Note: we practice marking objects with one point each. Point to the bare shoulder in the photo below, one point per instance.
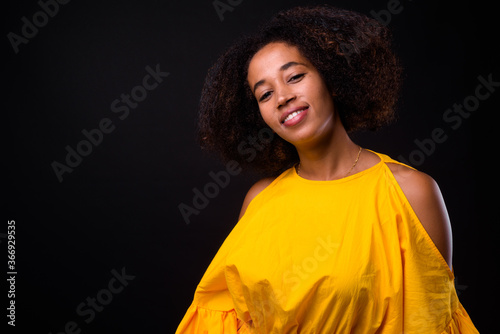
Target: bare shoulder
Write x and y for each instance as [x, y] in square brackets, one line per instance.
[254, 191]
[412, 181]
[425, 198]
[419, 188]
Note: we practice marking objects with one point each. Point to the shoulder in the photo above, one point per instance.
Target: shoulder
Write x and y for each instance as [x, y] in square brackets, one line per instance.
[427, 202]
[413, 182]
[418, 187]
[254, 191]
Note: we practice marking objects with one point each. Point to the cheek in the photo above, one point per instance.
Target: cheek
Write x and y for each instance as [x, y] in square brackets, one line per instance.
[325, 100]
[267, 115]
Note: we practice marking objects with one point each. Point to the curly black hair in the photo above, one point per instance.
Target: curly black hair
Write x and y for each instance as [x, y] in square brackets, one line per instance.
[351, 51]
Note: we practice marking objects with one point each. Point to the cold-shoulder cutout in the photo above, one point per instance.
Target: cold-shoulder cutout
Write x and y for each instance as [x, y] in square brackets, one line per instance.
[254, 191]
[425, 198]
[333, 256]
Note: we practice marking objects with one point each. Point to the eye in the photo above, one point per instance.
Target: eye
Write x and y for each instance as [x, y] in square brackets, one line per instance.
[297, 77]
[265, 96]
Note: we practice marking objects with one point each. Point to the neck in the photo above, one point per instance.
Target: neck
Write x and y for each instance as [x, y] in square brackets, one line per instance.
[328, 158]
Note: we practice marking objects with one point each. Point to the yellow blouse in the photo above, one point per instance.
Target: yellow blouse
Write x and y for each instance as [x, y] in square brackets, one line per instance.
[340, 256]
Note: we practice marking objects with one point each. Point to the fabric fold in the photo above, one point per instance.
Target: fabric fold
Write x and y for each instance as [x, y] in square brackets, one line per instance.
[460, 323]
[198, 320]
[339, 256]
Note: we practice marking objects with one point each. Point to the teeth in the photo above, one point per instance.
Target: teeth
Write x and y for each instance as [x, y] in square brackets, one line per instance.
[292, 115]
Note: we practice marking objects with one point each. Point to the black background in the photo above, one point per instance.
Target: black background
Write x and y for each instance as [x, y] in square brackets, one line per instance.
[119, 207]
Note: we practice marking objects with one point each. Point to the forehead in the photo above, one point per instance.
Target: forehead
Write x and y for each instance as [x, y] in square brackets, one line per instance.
[271, 57]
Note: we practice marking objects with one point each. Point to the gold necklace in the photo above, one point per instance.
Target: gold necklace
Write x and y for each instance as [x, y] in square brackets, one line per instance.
[350, 170]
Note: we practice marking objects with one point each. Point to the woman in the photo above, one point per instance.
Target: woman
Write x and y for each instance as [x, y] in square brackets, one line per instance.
[344, 239]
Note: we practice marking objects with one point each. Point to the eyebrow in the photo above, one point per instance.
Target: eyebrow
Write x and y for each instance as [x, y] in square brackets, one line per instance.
[283, 67]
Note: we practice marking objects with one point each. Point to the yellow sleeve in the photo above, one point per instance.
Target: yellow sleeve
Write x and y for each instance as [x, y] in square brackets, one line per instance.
[461, 323]
[199, 320]
[212, 310]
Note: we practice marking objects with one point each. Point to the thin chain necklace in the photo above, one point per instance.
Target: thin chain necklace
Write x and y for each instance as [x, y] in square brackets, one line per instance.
[350, 170]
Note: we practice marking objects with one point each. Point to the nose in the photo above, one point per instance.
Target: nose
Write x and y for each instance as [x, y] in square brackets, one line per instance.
[284, 97]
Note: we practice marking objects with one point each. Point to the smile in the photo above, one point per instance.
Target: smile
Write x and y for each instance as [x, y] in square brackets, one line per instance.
[294, 117]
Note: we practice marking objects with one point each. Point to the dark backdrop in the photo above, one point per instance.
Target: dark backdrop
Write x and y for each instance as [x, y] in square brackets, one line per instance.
[106, 249]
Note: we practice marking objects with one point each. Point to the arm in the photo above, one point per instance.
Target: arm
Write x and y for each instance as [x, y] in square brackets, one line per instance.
[254, 191]
[425, 198]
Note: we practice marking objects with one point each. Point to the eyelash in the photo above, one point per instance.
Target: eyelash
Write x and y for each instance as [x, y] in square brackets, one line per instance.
[294, 78]
[264, 96]
[297, 77]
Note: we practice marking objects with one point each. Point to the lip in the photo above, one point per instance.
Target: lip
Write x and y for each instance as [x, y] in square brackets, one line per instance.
[296, 119]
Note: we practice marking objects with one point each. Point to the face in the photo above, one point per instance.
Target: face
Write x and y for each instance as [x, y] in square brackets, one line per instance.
[293, 98]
